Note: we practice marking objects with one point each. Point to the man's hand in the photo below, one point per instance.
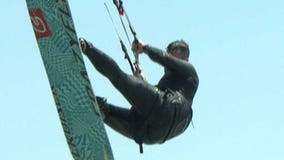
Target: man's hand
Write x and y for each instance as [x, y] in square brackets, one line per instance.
[137, 46]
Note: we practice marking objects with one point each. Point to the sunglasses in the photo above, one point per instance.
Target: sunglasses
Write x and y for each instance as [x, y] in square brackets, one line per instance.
[181, 48]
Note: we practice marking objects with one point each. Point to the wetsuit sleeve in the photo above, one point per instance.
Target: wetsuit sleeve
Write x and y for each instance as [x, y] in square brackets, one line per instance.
[172, 63]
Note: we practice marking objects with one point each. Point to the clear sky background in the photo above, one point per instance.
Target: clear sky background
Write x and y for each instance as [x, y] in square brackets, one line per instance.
[237, 48]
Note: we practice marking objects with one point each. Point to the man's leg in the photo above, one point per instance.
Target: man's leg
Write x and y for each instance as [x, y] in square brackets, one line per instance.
[119, 119]
[139, 93]
[125, 121]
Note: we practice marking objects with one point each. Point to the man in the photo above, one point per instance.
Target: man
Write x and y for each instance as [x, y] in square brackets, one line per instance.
[158, 113]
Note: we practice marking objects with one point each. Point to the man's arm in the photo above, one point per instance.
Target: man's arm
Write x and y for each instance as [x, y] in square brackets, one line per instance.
[170, 62]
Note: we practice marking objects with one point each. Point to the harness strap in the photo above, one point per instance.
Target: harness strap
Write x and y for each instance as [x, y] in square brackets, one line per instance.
[139, 136]
[141, 147]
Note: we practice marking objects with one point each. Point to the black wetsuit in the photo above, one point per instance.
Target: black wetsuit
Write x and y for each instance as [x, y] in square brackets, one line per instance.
[159, 112]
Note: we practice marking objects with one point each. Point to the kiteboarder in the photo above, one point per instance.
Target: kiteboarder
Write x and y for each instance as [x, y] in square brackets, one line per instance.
[159, 112]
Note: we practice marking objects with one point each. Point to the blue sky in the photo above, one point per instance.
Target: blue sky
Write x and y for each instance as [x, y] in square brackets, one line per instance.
[236, 47]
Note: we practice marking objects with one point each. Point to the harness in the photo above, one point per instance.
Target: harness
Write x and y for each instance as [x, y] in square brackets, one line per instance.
[140, 124]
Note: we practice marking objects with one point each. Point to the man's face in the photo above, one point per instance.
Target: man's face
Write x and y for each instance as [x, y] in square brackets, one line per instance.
[179, 52]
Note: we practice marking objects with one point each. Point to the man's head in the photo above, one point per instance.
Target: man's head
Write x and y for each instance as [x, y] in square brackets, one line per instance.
[179, 49]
